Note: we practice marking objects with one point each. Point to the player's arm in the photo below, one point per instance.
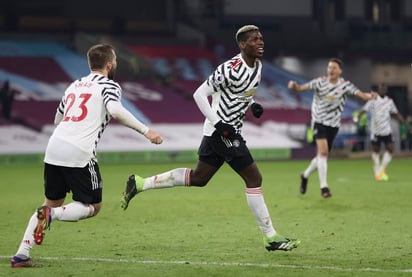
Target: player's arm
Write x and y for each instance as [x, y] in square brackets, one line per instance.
[399, 116]
[201, 98]
[293, 85]
[366, 96]
[121, 114]
[59, 112]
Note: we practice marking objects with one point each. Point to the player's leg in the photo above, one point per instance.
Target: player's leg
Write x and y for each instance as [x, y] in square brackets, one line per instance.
[254, 197]
[198, 177]
[206, 167]
[22, 256]
[376, 157]
[387, 156]
[240, 159]
[86, 187]
[322, 163]
[304, 176]
[38, 220]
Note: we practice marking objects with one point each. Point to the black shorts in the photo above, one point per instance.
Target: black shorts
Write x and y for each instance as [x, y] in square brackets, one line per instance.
[85, 183]
[321, 131]
[215, 150]
[378, 140]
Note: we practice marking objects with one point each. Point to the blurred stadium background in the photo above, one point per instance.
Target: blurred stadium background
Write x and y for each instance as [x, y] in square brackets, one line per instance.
[167, 48]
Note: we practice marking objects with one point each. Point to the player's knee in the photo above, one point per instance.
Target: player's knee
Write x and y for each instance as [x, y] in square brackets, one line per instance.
[95, 209]
[198, 181]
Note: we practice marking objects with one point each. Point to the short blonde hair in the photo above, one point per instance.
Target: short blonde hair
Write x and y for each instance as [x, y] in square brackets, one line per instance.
[243, 30]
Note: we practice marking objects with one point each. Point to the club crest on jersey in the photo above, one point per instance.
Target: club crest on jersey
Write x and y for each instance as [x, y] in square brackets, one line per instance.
[236, 143]
[250, 92]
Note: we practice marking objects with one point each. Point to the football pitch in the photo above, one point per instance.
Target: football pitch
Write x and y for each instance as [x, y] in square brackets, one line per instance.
[365, 229]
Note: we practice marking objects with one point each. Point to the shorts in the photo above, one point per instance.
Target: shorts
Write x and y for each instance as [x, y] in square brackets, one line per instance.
[329, 133]
[378, 140]
[85, 183]
[215, 150]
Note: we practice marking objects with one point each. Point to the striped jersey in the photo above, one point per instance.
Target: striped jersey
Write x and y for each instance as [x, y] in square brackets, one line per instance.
[234, 83]
[329, 100]
[380, 110]
[83, 106]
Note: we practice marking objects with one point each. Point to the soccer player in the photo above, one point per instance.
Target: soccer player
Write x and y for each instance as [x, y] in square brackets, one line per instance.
[70, 160]
[231, 86]
[381, 110]
[330, 93]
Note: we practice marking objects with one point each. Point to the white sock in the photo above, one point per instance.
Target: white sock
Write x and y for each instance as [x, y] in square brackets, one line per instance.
[386, 159]
[322, 170]
[311, 168]
[28, 240]
[73, 211]
[175, 177]
[257, 204]
[376, 163]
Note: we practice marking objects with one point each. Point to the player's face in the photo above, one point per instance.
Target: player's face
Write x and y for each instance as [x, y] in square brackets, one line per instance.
[334, 71]
[254, 45]
[382, 90]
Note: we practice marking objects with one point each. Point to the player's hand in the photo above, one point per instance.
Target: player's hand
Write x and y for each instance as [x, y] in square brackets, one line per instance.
[154, 137]
[374, 95]
[257, 110]
[292, 85]
[224, 129]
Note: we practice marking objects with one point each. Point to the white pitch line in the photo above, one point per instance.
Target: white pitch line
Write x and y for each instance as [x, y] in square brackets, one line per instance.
[225, 264]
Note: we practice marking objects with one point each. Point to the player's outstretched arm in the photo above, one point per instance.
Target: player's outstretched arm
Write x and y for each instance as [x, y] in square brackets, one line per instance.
[367, 96]
[296, 87]
[154, 137]
[122, 115]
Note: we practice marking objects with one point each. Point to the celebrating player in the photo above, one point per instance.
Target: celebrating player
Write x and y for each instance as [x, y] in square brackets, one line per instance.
[70, 162]
[231, 86]
[329, 99]
[381, 110]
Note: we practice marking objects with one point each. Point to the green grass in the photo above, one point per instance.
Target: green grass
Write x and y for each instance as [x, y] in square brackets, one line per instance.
[363, 230]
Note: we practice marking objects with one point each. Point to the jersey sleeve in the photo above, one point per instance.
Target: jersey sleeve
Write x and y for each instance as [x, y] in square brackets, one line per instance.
[314, 83]
[393, 109]
[111, 92]
[218, 80]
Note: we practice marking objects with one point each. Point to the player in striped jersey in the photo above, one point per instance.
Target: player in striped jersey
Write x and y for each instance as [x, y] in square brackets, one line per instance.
[231, 86]
[381, 110]
[70, 162]
[330, 93]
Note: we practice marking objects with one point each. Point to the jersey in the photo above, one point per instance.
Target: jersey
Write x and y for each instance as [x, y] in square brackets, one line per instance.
[234, 83]
[83, 106]
[380, 110]
[329, 100]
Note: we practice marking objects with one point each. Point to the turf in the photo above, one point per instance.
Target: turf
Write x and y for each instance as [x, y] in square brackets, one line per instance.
[363, 230]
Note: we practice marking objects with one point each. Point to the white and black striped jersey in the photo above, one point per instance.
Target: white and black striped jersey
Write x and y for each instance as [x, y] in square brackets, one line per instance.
[234, 83]
[84, 118]
[329, 100]
[380, 110]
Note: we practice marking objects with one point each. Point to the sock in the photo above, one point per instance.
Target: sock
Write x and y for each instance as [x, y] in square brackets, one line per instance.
[28, 240]
[322, 170]
[175, 177]
[257, 204]
[376, 163]
[312, 167]
[72, 212]
[386, 159]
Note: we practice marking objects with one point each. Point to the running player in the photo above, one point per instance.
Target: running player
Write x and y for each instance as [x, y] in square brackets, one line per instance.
[329, 99]
[231, 86]
[381, 110]
[70, 162]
